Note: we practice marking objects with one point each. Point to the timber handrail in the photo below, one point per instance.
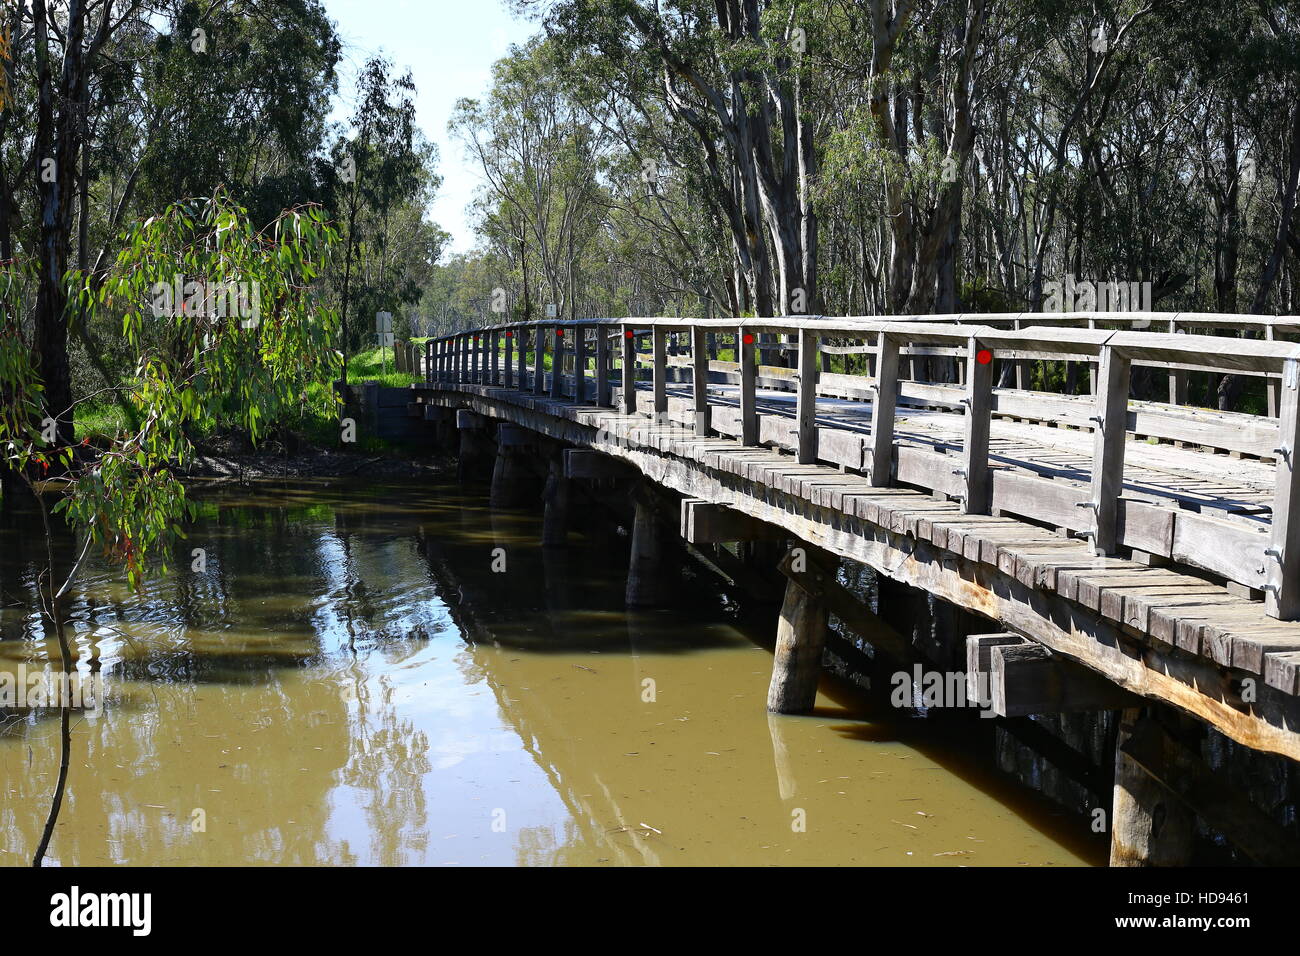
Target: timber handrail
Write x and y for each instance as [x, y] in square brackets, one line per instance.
[1262, 557]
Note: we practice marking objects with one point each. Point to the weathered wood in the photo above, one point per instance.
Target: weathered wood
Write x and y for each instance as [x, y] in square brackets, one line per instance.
[700, 379]
[629, 370]
[648, 582]
[800, 638]
[748, 375]
[602, 366]
[1221, 803]
[586, 464]
[979, 664]
[807, 411]
[508, 367]
[539, 360]
[1283, 587]
[1149, 827]
[882, 411]
[1026, 678]
[1108, 447]
[659, 371]
[975, 494]
[558, 348]
[704, 522]
[522, 332]
[580, 363]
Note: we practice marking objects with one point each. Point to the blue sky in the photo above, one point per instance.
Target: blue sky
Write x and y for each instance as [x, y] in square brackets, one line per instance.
[449, 46]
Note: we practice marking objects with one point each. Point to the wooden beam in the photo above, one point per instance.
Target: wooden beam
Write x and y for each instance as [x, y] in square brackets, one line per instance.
[979, 664]
[1283, 560]
[807, 407]
[801, 637]
[467, 419]
[748, 381]
[883, 407]
[602, 366]
[629, 370]
[975, 444]
[509, 366]
[539, 360]
[1220, 802]
[704, 522]
[557, 361]
[1108, 447]
[1024, 677]
[580, 364]
[659, 372]
[700, 379]
[1148, 826]
[588, 464]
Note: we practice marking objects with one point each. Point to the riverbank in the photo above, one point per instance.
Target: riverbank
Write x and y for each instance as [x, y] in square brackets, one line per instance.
[228, 459]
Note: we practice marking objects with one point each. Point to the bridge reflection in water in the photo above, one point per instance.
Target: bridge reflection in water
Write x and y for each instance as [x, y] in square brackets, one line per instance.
[352, 682]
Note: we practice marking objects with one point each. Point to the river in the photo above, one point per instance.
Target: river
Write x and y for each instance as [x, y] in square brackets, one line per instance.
[353, 678]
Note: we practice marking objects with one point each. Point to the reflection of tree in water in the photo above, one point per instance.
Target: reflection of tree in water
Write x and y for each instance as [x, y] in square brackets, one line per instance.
[211, 706]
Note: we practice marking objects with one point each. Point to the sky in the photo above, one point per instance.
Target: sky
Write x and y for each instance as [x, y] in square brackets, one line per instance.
[449, 46]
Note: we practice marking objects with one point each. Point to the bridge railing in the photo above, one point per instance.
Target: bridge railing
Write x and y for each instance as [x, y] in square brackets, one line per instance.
[601, 361]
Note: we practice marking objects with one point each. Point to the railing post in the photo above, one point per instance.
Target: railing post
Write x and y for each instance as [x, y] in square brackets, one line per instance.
[539, 360]
[557, 363]
[429, 346]
[883, 407]
[1177, 379]
[462, 342]
[522, 333]
[1092, 369]
[1111, 421]
[1282, 592]
[495, 339]
[700, 379]
[629, 370]
[580, 363]
[979, 415]
[602, 365]
[658, 339]
[509, 366]
[1272, 386]
[807, 402]
[748, 386]
[476, 360]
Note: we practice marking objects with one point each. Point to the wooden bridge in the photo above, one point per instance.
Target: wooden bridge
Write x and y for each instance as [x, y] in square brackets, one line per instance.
[1137, 555]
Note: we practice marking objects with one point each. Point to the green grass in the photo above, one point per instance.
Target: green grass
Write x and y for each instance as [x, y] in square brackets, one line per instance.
[369, 367]
[98, 420]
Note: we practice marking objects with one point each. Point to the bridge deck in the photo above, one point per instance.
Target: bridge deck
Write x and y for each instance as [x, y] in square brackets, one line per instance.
[1169, 633]
[1196, 479]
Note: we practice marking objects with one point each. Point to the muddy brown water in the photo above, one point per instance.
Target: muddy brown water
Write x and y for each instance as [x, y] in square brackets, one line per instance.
[353, 680]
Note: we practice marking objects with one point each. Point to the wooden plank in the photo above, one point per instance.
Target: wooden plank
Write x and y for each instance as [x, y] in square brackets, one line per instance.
[1108, 447]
